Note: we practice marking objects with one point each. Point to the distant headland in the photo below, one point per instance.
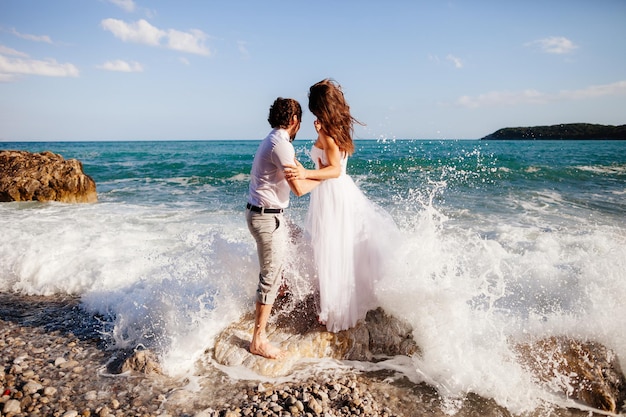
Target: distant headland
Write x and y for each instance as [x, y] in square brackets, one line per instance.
[571, 131]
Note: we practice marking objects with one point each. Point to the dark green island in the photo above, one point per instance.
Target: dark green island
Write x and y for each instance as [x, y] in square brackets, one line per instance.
[571, 131]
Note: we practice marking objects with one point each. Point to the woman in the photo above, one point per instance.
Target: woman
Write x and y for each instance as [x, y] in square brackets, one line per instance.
[351, 236]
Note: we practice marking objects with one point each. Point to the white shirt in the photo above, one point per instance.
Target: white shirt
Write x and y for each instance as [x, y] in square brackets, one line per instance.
[268, 186]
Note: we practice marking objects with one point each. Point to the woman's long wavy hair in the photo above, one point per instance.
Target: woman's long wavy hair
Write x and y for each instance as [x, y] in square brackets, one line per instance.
[327, 103]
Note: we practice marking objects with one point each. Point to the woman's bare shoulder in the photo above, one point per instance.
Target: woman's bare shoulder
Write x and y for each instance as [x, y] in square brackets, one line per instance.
[326, 142]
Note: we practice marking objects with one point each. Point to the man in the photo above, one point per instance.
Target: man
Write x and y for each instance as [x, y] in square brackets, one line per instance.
[268, 198]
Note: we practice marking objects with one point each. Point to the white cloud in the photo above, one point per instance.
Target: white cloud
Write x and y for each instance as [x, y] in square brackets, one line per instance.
[138, 32]
[127, 5]
[509, 98]
[35, 38]
[555, 45]
[121, 66]
[5, 78]
[143, 32]
[614, 89]
[500, 98]
[10, 51]
[243, 49]
[191, 42]
[48, 68]
[456, 61]
[184, 60]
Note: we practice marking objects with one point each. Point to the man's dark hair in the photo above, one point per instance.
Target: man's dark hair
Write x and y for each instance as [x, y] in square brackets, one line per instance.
[282, 111]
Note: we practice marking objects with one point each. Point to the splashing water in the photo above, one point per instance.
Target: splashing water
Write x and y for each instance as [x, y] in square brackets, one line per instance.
[501, 244]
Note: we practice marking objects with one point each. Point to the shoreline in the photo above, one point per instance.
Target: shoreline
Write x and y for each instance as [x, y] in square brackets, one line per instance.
[48, 370]
[52, 373]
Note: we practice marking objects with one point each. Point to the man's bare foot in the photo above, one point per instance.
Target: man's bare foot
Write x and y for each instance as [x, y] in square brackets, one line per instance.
[267, 350]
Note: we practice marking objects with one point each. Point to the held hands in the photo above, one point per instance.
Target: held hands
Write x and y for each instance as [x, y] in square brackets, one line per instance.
[298, 172]
[295, 172]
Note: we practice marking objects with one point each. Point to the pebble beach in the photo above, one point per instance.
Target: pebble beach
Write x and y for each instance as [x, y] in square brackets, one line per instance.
[49, 370]
[55, 374]
[52, 366]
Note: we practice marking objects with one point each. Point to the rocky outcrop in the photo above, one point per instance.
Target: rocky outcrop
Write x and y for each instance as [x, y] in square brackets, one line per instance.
[45, 176]
[571, 131]
[586, 371]
[302, 337]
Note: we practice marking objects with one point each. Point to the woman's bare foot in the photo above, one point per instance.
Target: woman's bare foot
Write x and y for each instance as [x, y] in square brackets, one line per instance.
[266, 349]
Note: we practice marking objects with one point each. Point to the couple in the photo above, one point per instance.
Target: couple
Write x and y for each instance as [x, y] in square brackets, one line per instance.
[341, 221]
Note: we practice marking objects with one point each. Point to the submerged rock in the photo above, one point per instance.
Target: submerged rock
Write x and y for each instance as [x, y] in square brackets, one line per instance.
[45, 176]
[586, 371]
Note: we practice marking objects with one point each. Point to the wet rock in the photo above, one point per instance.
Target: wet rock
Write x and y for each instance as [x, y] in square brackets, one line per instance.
[91, 395]
[12, 407]
[104, 412]
[389, 336]
[315, 406]
[45, 176]
[142, 361]
[378, 334]
[31, 387]
[68, 364]
[586, 371]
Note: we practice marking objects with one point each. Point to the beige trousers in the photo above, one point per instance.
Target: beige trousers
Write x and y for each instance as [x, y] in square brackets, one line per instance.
[270, 234]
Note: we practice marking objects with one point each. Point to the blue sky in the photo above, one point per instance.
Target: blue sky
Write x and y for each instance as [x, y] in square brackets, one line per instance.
[191, 69]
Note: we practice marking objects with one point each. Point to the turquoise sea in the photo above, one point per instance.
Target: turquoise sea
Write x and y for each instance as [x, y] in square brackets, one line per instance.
[504, 241]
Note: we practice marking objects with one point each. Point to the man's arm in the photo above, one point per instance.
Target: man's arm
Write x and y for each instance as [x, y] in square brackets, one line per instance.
[284, 155]
[302, 187]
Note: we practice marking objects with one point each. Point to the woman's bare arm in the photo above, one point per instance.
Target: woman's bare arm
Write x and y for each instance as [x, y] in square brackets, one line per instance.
[332, 170]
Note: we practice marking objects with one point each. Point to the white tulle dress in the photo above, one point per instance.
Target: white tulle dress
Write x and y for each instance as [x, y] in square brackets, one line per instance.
[352, 240]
